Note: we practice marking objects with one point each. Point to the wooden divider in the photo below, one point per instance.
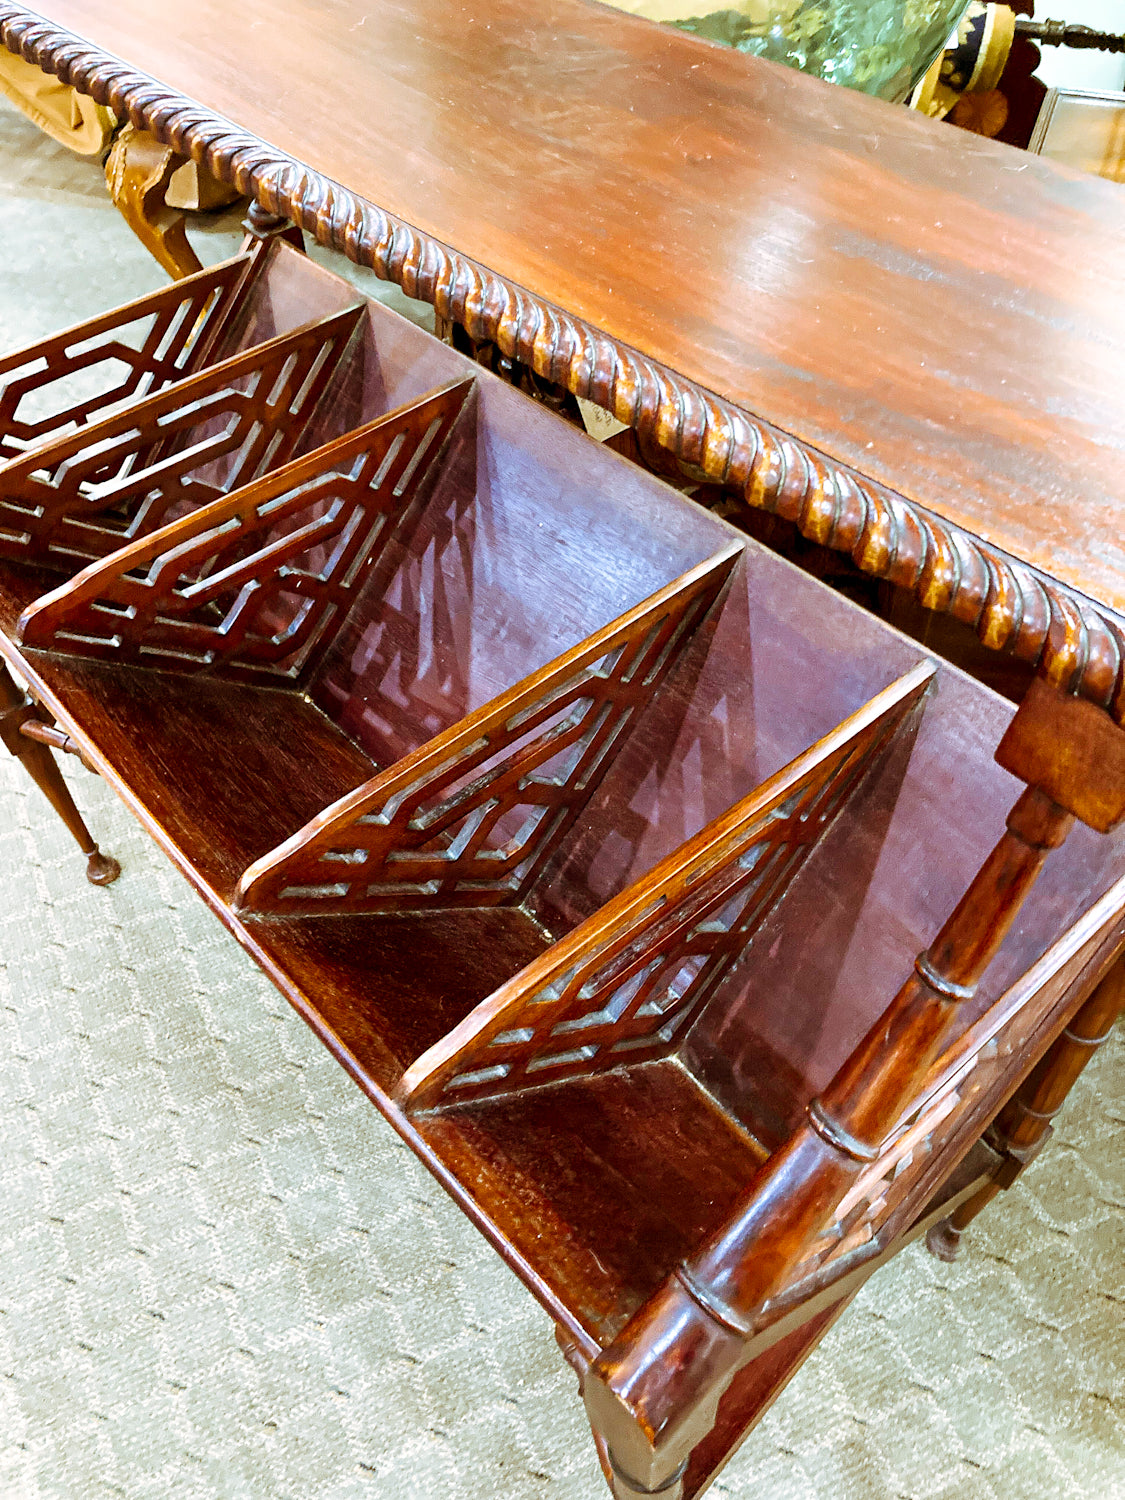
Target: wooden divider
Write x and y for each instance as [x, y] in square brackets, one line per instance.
[186, 322]
[84, 495]
[206, 548]
[417, 836]
[250, 585]
[623, 985]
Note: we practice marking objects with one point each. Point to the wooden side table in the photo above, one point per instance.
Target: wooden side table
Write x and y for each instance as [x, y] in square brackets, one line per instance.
[797, 301]
[779, 282]
[406, 675]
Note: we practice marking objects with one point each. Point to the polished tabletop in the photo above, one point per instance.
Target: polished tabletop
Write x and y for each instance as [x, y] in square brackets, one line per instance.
[943, 313]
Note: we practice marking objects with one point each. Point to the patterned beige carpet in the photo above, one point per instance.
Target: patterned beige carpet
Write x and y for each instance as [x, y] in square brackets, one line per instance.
[223, 1278]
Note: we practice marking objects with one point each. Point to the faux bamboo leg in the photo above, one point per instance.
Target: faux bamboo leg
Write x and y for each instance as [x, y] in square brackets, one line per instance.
[101, 869]
[1021, 1128]
[137, 172]
[654, 1394]
[651, 1407]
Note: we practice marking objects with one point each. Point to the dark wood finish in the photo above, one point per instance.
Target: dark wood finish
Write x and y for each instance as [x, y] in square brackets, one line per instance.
[653, 1394]
[471, 817]
[785, 1348]
[261, 225]
[250, 585]
[1023, 1126]
[692, 1231]
[156, 339]
[879, 394]
[81, 496]
[624, 985]
[1065, 34]
[1071, 750]
[58, 739]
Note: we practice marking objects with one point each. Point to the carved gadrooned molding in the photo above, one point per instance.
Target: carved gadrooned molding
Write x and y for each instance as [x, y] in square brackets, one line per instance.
[1076, 644]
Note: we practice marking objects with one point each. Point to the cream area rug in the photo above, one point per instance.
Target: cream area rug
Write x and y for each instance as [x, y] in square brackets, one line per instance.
[223, 1278]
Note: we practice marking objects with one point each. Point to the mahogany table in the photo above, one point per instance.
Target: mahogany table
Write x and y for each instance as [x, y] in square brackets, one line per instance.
[906, 340]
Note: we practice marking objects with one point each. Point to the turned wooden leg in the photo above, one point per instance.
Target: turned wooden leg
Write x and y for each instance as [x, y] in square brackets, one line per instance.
[656, 1391]
[138, 171]
[1021, 1128]
[15, 710]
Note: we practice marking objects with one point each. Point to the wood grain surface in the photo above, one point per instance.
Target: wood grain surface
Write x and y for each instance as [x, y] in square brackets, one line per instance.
[939, 311]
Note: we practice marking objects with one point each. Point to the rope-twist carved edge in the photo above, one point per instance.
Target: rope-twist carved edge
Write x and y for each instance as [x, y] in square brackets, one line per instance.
[1076, 645]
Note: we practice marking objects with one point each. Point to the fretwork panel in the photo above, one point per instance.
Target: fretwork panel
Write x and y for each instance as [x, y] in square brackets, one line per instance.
[64, 382]
[883, 1186]
[471, 817]
[83, 496]
[624, 986]
[254, 583]
[894, 1188]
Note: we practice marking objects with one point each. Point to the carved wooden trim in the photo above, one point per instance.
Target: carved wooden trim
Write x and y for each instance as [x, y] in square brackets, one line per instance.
[1078, 645]
[251, 585]
[623, 986]
[84, 495]
[952, 1108]
[471, 817]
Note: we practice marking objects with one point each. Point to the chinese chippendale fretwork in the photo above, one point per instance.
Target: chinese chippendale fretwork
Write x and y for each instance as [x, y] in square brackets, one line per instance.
[624, 985]
[882, 1187]
[253, 583]
[471, 817]
[85, 495]
[64, 382]
[957, 1104]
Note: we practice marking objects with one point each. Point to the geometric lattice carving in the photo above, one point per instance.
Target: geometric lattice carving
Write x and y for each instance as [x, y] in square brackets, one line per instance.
[470, 818]
[84, 495]
[251, 584]
[64, 382]
[882, 1187]
[624, 986]
[956, 1103]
